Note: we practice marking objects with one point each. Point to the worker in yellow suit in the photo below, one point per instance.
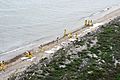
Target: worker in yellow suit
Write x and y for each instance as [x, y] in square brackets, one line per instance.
[86, 23]
[29, 54]
[90, 23]
[70, 35]
[76, 36]
[2, 66]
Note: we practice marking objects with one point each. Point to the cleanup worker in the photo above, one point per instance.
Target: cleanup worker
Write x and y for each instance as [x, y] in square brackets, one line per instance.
[86, 23]
[2, 66]
[65, 32]
[76, 36]
[70, 35]
[90, 23]
[29, 54]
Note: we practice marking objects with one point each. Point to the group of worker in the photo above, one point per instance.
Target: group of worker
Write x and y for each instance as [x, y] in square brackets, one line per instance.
[29, 55]
[88, 23]
[70, 35]
[2, 66]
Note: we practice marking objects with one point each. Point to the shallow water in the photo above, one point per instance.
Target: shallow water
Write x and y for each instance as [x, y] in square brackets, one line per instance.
[25, 21]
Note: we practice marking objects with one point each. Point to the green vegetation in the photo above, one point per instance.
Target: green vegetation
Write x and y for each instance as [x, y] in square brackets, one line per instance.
[97, 62]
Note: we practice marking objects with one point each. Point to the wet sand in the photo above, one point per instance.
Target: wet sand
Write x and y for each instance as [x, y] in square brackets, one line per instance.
[16, 65]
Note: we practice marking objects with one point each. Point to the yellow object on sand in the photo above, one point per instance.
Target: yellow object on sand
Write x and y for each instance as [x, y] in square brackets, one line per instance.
[2, 66]
[86, 23]
[76, 36]
[90, 23]
[70, 35]
[29, 55]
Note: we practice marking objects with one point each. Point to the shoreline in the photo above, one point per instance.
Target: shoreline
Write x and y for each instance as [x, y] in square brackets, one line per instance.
[47, 46]
[71, 62]
[35, 44]
[6, 56]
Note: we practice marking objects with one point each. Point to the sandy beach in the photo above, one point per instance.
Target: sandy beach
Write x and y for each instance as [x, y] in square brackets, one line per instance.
[16, 65]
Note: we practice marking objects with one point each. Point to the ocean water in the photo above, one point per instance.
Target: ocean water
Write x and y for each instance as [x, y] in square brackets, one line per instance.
[23, 22]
